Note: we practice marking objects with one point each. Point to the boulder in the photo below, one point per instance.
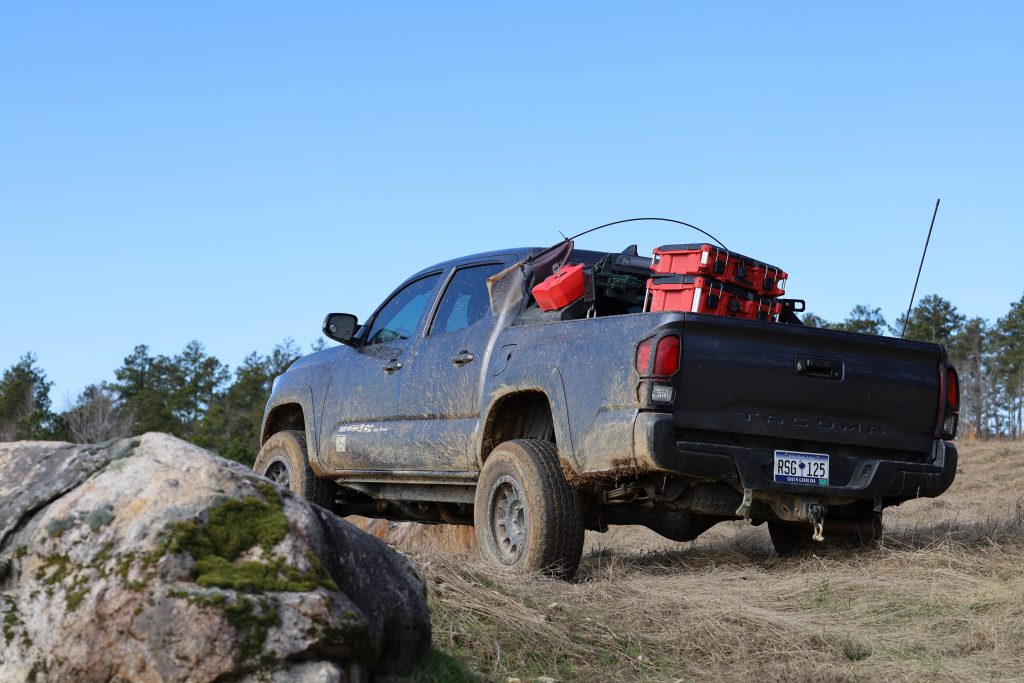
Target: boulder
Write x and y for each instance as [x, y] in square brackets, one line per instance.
[151, 559]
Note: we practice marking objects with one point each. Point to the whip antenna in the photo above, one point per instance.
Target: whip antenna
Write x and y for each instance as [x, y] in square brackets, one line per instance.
[906, 318]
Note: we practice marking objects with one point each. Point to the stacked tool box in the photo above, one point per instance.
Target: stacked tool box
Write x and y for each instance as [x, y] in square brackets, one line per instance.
[703, 278]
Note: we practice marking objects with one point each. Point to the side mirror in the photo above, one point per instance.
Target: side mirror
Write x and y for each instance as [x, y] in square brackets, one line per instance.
[340, 327]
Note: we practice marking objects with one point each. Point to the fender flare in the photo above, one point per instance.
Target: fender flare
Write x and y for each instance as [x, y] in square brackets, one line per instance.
[301, 395]
[546, 380]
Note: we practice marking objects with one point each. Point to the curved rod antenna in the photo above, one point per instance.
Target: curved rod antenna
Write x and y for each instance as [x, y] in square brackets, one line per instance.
[653, 218]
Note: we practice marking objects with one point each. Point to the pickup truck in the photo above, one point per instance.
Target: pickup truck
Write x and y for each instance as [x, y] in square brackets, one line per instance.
[460, 401]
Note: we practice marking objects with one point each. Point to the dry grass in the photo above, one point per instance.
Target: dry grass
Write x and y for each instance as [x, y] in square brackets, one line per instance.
[941, 597]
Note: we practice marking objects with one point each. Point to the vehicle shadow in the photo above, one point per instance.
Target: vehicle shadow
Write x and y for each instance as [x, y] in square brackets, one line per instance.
[955, 534]
[750, 549]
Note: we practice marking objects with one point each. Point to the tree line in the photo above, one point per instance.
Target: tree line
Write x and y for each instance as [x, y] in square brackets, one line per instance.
[195, 396]
[192, 395]
[989, 357]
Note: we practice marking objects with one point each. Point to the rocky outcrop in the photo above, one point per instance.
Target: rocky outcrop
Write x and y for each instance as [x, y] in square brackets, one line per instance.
[150, 559]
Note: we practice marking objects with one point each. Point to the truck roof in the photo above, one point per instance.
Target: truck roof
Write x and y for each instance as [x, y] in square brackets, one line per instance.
[579, 255]
[520, 253]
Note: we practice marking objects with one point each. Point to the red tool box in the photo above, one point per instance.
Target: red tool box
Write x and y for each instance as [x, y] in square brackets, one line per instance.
[754, 307]
[729, 267]
[561, 289]
[696, 294]
[688, 293]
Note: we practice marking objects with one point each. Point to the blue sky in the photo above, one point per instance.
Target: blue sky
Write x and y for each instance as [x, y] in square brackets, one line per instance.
[230, 172]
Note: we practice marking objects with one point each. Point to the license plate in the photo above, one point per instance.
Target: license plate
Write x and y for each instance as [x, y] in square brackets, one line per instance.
[794, 467]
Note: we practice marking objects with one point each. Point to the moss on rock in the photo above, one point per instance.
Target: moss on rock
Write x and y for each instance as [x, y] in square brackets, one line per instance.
[61, 565]
[124, 565]
[253, 623]
[74, 598]
[233, 528]
[100, 517]
[11, 620]
[57, 527]
[251, 576]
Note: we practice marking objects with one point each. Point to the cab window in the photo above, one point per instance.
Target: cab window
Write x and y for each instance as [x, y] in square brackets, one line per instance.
[400, 316]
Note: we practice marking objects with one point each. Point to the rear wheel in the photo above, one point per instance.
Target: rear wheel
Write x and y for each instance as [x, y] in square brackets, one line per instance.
[284, 460]
[869, 530]
[790, 539]
[527, 516]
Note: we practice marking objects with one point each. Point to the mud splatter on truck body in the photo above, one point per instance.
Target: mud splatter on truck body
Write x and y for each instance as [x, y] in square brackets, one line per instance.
[405, 413]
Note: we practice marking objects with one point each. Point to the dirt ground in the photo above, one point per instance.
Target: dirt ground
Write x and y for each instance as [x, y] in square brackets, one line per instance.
[940, 597]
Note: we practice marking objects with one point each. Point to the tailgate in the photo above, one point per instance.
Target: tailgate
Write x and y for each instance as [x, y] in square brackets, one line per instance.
[794, 382]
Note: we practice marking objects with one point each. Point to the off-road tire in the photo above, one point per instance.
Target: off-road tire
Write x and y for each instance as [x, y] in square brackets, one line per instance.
[527, 473]
[791, 539]
[288, 449]
[871, 526]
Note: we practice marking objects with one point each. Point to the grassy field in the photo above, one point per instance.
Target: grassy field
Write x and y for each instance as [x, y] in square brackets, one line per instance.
[941, 597]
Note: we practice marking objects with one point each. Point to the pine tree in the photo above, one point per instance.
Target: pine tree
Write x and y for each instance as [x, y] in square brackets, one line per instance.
[145, 385]
[863, 320]
[232, 426]
[25, 403]
[812, 320]
[197, 380]
[970, 354]
[1009, 358]
[933, 320]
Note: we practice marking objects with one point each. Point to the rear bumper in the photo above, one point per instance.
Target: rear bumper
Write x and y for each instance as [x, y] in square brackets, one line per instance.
[856, 473]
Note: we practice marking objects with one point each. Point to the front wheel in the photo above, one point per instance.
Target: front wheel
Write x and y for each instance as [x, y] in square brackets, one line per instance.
[284, 460]
[527, 516]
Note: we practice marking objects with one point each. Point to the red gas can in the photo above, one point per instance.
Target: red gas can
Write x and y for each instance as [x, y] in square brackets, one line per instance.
[561, 289]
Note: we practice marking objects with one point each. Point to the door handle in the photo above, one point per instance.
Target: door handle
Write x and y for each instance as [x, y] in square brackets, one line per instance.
[462, 358]
[392, 365]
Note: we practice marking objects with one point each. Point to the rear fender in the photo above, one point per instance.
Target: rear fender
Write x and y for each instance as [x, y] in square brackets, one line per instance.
[545, 380]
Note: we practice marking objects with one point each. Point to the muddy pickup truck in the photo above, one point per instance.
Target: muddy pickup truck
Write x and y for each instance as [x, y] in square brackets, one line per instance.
[460, 401]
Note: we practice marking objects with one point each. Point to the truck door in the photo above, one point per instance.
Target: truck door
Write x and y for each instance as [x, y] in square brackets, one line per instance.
[440, 401]
[362, 401]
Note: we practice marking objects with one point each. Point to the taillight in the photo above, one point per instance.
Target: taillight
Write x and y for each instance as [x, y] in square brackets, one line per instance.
[949, 408]
[666, 356]
[952, 390]
[643, 356]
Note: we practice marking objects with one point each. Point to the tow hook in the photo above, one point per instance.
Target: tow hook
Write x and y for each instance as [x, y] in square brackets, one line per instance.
[744, 509]
[816, 513]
